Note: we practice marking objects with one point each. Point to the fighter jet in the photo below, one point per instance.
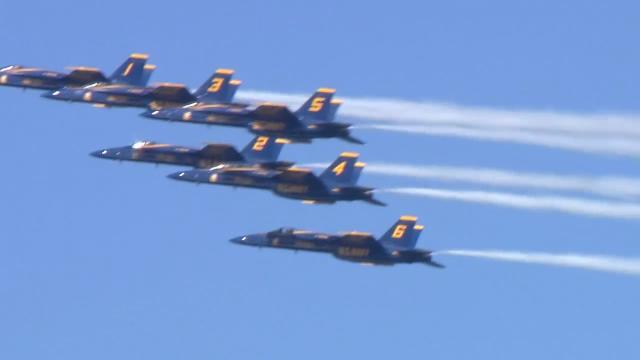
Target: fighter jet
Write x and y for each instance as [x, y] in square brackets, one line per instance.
[396, 246]
[219, 88]
[314, 119]
[262, 151]
[131, 72]
[336, 183]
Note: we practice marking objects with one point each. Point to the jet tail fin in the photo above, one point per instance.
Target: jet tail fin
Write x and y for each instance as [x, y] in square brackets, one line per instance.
[342, 171]
[234, 85]
[218, 88]
[403, 234]
[263, 149]
[318, 107]
[131, 72]
[334, 107]
[147, 71]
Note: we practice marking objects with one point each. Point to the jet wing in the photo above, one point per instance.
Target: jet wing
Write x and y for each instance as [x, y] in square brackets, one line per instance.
[85, 76]
[222, 152]
[272, 113]
[300, 176]
[244, 175]
[358, 237]
[177, 93]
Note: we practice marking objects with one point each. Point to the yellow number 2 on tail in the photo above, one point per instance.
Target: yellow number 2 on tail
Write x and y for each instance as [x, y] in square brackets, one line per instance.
[261, 142]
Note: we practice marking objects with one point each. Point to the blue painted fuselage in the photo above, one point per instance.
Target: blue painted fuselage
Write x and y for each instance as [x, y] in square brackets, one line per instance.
[32, 78]
[354, 247]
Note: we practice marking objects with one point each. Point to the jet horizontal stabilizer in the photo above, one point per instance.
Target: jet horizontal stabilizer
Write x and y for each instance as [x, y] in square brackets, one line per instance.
[352, 139]
[375, 202]
[435, 264]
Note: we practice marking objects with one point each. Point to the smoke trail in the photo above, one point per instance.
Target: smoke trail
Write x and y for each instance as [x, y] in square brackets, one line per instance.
[609, 185]
[617, 265]
[432, 113]
[615, 146]
[552, 203]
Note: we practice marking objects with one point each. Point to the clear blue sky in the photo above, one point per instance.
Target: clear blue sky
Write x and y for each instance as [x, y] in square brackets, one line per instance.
[107, 261]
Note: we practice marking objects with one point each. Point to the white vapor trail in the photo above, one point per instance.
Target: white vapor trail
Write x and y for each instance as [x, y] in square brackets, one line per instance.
[568, 205]
[612, 186]
[590, 144]
[618, 265]
[601, 133]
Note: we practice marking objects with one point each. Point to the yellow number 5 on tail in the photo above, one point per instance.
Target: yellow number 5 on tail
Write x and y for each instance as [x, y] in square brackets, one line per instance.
[316, 104]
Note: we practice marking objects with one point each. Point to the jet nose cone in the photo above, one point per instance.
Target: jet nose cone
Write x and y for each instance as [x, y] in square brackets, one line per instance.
[194, 176]
[239, 240]
[99, 153]
[251, 240]
[178, 175]
[153, 114]
[115, 153]
[51, 94]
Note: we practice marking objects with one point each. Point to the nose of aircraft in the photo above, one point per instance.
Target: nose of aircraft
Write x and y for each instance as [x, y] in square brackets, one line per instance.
[113, 153]
[51, 94]
[100, 153]
[252, 240]
[189, 175]
[155, 114]
[238, 240]
[150, 113]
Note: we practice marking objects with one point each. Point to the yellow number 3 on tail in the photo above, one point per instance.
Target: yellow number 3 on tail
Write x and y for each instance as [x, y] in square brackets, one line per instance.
[216, 84]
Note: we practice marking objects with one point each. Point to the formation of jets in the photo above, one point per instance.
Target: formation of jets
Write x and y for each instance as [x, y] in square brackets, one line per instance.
[256, 166]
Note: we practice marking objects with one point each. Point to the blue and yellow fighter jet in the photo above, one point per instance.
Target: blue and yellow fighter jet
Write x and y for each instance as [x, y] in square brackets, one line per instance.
[314, 119]
[154, 97]
[35, 78]
[396, 246]
[337, 183]
[262, 151]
